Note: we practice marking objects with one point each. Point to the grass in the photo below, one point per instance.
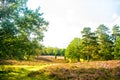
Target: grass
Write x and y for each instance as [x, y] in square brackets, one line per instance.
[18, 72]
[47, 68]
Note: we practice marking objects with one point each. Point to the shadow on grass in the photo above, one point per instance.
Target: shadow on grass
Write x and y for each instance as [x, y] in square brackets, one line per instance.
[77, 74]
[13, 73]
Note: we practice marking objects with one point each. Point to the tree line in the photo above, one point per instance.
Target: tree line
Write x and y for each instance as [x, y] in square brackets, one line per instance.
[100, 44]
[53, 51]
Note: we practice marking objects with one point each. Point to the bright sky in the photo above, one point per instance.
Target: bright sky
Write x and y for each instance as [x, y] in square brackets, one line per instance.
[68, 17]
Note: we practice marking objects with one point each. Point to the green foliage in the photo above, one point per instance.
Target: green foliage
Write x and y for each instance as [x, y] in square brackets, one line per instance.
[117, 49]
[105, 43]
[20, 29]
[89, 44]
[115, 32]
[53, 51]
[73, 50]
[97, 45]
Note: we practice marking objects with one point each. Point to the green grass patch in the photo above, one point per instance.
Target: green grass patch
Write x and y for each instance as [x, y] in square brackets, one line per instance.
[18, 72]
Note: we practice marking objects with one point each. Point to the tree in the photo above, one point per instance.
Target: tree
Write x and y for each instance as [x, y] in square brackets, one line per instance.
[62, 52]
[73, 50]
[89, 43]
[117, 49]
[17, 24]
[115, 32]
[105, 43]
[49, 51]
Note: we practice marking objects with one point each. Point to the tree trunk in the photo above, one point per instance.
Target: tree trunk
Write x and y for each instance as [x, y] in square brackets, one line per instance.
[55, 56]
[88, 58]
[78, 59]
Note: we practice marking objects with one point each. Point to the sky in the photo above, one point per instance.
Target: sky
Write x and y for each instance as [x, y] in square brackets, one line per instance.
[67, 18]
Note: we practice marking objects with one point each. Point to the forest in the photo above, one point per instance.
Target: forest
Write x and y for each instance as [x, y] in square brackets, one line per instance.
[24, 57]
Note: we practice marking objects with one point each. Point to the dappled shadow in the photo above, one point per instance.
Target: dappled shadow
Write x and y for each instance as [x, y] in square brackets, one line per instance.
[12, 73]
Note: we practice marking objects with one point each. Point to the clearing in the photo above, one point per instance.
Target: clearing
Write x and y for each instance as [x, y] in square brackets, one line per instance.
[48, 68]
